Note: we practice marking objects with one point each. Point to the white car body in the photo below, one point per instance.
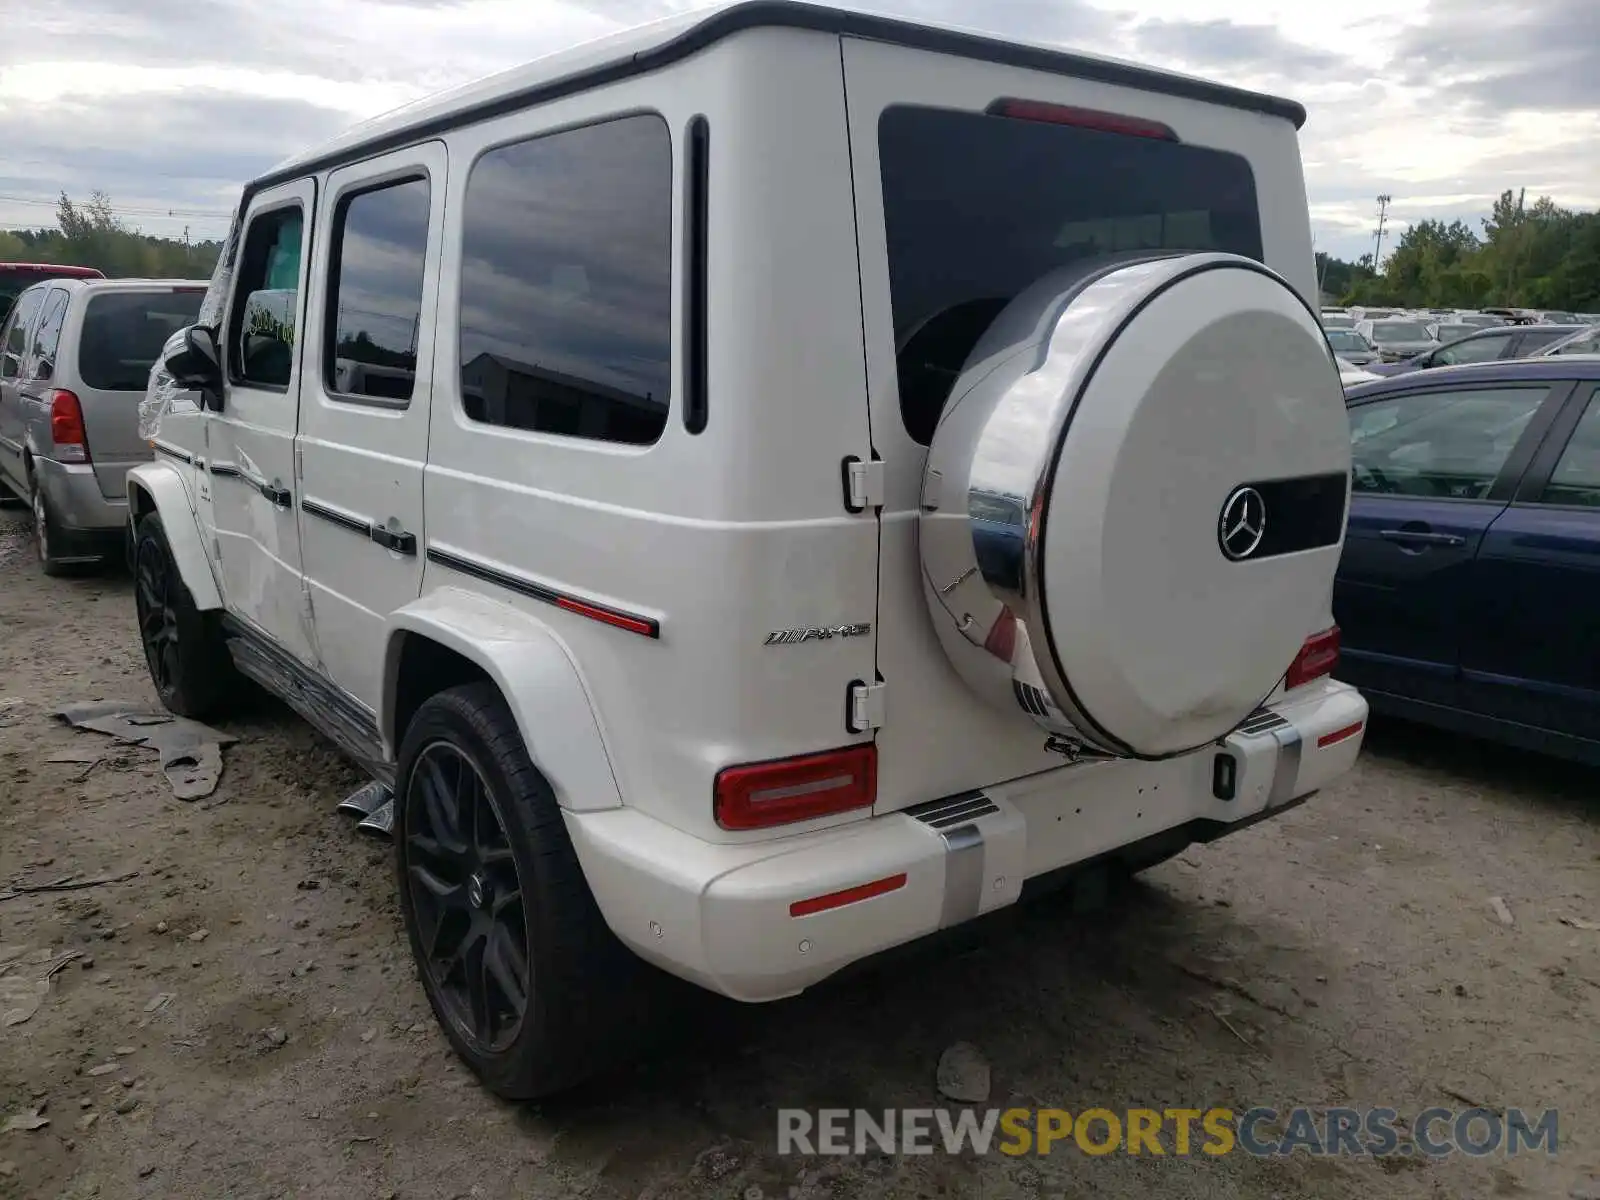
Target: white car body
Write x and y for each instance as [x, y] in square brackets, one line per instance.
[655, 615]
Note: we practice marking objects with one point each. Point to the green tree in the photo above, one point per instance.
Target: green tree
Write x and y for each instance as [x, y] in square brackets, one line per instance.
[89, 233]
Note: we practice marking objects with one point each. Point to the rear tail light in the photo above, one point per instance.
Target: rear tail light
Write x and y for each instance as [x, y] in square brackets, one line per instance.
[1082, 118]
[1318, 657]
[66, 428]
[785, 790]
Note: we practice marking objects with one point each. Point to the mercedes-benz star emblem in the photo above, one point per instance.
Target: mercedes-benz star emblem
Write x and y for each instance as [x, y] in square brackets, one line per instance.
[1243, 523]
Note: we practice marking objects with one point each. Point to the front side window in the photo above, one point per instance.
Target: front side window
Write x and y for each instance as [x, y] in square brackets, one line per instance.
[266, 302]
[1449, 445]
[123, 333]
[566, 283]
[380, 246]
[16, 335]
[977, 207]
[1576, 478]
[47, 337]
[1482, 349]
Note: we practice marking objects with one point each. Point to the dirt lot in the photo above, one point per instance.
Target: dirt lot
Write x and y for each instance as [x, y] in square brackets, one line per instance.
[1347, 954]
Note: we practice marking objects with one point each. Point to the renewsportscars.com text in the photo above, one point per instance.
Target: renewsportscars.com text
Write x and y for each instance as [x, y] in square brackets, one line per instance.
[1179, 1132]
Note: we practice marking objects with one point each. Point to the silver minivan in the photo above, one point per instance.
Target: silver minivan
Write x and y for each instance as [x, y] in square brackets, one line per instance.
[75, 356]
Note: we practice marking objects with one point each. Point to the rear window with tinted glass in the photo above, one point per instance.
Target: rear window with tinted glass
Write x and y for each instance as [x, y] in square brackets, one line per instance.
[123, 333]
[977, 207]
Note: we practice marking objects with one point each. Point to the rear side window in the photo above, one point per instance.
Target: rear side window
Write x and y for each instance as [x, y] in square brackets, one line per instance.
[123, 333]
[379, 256]
[1576, 478]
[47, 338]
[566, 283]
[977, 207]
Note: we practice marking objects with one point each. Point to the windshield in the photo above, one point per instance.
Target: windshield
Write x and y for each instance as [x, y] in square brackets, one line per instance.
[123, 333]
[1584, 343]
[1399, 331]
[978, 207]
[1450, 332]
[1347, 341]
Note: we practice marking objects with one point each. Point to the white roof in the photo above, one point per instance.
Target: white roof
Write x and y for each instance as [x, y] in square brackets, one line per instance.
[628, 47]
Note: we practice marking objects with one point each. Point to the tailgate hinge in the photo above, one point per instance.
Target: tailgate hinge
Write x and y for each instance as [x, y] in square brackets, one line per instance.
[865, 709]
[863, 484]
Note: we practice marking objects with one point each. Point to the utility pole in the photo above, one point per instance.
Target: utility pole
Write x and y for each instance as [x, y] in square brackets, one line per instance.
[1377, 246]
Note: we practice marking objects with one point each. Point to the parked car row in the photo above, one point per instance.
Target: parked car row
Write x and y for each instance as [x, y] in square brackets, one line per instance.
[1386, 342]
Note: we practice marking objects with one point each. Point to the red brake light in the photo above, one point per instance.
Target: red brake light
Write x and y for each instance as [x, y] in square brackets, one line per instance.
[785, 790]
[1082, 118]
[1318, 657]
[66, 425]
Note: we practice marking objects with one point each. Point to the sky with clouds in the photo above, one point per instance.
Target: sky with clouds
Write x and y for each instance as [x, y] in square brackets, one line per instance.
[169, 105]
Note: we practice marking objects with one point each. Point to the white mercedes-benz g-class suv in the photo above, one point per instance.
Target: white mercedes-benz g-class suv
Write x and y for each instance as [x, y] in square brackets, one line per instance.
[761, 489]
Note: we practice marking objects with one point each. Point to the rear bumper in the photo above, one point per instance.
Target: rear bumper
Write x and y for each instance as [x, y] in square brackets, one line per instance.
[75, 498]
[722, 916]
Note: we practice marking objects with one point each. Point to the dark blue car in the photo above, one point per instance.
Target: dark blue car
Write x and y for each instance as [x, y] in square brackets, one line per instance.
[1469, 590]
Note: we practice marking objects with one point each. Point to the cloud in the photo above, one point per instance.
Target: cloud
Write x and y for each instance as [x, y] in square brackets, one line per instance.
[1226, 44]
[1541, 55]
[186, 151]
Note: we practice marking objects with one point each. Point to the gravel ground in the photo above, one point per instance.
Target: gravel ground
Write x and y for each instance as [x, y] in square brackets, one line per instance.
[246, 1023]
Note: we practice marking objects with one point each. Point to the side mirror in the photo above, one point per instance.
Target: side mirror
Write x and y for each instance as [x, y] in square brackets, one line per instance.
[194, 363]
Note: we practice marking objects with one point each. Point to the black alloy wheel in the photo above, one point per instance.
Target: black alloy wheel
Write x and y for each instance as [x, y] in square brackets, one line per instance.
[464, 887]
[156, 602]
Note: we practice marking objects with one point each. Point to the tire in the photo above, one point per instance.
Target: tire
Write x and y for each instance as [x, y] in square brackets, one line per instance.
[183, 647]
[586, 998]
[47, 537]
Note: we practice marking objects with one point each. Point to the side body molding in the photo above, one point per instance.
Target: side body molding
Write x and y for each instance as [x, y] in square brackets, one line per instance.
[536, 674]
[160, 485]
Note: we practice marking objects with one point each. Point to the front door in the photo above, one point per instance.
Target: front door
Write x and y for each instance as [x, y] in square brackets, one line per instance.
[364, 405]
[1432, 470]
[251, 441]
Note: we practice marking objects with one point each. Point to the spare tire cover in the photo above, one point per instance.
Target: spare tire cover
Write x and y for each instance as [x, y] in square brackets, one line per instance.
[1135, 500]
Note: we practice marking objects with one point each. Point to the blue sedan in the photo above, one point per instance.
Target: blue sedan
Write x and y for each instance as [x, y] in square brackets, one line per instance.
[1469, 590]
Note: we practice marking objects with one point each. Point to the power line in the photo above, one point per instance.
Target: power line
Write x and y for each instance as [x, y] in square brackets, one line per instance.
[134, 211]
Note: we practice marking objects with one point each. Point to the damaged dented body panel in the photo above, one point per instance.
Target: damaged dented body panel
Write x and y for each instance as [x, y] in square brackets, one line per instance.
[535, 463]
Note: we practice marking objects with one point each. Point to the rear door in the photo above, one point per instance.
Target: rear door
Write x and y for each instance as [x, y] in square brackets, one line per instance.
[364, 405]
[1531, 650]
[959, 207]
[1432, 469]
[117, 335]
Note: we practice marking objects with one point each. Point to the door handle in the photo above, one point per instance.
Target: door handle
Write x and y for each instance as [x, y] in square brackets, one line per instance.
[1421, 537]
[398, 541]
[277, 495]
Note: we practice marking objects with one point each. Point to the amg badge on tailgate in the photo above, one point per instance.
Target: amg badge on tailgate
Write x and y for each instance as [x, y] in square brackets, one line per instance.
[813, 633]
